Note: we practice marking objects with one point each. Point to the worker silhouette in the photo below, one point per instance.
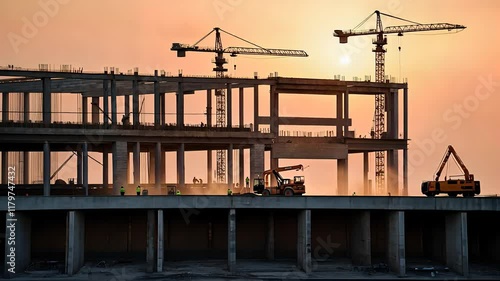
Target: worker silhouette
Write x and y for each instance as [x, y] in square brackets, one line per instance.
[122, 191]
[138, 190]
[247, 182]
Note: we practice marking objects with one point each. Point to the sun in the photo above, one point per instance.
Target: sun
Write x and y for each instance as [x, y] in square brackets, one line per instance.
[345, 60]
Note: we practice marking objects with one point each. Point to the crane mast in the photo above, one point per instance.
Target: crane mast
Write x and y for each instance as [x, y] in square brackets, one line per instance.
[379, 50]
[219, 69]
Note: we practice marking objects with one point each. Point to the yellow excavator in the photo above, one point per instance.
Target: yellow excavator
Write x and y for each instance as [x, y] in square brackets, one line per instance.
[467, 187]
[286, 187]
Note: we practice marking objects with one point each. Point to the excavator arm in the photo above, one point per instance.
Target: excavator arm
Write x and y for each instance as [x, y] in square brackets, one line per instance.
[449, 152]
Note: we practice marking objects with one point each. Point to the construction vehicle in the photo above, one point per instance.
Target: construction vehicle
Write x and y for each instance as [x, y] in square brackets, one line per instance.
[220, 69]
[380, 41]
[286, 187]
[468, 187]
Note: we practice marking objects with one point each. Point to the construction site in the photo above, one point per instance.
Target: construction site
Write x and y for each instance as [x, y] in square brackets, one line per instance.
[132, 223]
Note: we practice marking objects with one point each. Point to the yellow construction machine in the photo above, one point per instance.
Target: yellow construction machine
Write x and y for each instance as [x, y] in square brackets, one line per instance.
[286, 187]
[468, 187]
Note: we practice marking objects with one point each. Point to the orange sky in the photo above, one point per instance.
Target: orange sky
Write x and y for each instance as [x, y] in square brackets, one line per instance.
[445, 72]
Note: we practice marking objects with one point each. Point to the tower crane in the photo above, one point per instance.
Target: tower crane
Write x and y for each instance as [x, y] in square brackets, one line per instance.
[219, 69]
[379, 50]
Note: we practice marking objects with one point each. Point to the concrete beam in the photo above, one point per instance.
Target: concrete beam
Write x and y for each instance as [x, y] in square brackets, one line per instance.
[75, 244]
[457, 247]
[231, 240]
[307, 121]
[120, 160]
[295, 150]
[19, 229]
[396, 243]
[304, 260]
[361, 239]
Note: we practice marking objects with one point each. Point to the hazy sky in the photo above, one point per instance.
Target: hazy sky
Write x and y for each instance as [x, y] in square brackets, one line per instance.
[454, 79]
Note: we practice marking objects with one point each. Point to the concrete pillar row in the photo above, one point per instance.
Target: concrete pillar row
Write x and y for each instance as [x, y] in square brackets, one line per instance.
[75, 242]
[396, 243]
[304, 260]
[457, 244]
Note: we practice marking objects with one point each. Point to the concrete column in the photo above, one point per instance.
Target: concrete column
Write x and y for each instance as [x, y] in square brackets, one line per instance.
[396, 243]
[5, 106]
[339, 114]
[270, 236]
[46, 169]
[180, 105]
[366, 185]
[137, 163]
[157, 100]
[162, 109]
[85, 110]
[209, 108]
[75, 241]
[405, 136]
[159, 243]
[274, 111]
[242, 108]
[105, 101]
[229, 106]
[85, 168]
[20, 228]
[256, 162]
[152, 165]
[256, 108]
[181, 172]
[346, 112]
[361, 238]
[126, 105]
[47, 101]
[157, 165]
[5, 165]
[114, 117]
[241, 167]
[105, 167]
[231, 240]
[95, 110]
[274, 165]
[120, 160]
[26, 167]
[151, 258]
[79, 166]
[304, 260]
[210, 170]
[392, 172]
[230, 161]
[163, 173]
[457, 244]
[342, 177]
[135, 102]
[26, 107]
